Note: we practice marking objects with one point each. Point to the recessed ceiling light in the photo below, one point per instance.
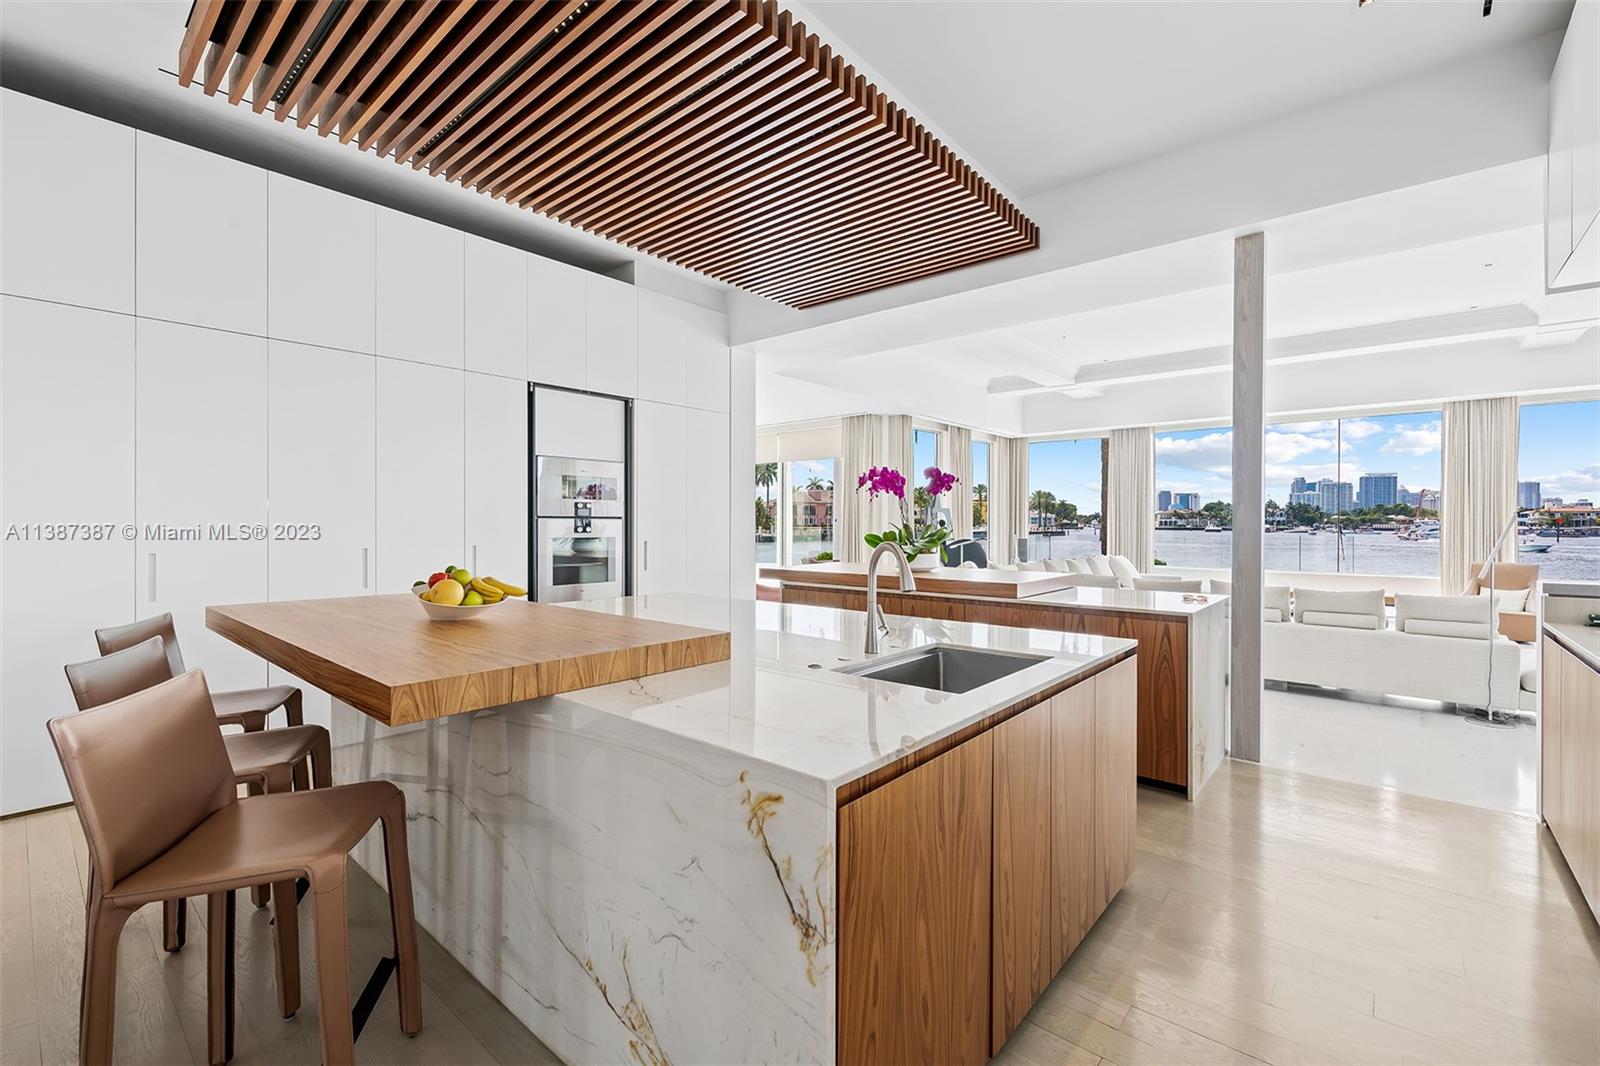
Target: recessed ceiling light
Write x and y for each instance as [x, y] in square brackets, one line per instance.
[1486, 266]
[1363, 3]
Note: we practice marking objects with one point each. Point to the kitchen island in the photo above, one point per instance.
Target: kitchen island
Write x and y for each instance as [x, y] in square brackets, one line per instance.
[1183, 643]
[767, 859]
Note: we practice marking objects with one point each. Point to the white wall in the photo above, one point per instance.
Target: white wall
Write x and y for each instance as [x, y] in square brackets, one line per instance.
[189, 339]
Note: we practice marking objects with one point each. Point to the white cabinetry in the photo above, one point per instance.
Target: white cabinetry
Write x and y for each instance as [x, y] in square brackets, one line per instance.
[683, 352]
[660, 456]
[421, 277]
[420, 472]
[613, 337]
[66, 205]
[321, 469]
[201, 485]
[201, 253]
[320, 277]
[1572, 198]
[705, 494]
[496, 309]
[66, 408]
[557, 324]
[497, 478]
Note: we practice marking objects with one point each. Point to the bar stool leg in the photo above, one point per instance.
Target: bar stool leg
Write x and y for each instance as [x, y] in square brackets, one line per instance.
[397, 865]
[219, 976]
[333, 972]
[98, 997]
[286, 928]
[292, 709]
[174, 923]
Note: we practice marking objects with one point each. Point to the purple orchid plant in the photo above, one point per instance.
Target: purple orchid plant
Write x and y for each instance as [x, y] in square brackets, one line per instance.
[915, 537]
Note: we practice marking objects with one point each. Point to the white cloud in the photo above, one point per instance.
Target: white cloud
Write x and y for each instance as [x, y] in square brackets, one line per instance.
[1283, 447]
[1420, 439]
[1571, 484]
[1359, 429]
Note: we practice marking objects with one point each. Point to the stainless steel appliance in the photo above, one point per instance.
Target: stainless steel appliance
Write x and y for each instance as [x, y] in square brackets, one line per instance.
[581, 538]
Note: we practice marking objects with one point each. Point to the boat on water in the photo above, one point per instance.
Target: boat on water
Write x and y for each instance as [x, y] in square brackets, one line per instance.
[1531, 545]
[1427, 529]
[1214, 528]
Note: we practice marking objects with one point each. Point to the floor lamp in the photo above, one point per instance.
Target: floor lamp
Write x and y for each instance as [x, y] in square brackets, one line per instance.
[1492, 716]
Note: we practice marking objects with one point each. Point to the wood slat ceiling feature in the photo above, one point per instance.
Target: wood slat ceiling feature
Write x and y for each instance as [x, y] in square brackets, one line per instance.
[715, 134]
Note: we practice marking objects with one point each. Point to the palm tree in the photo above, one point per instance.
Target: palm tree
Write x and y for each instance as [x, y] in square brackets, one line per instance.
[980, 505]
[766, 477]
[1042, 503]
[814, 482]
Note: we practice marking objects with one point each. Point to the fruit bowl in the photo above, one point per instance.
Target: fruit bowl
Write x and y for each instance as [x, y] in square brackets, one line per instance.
[440, 612]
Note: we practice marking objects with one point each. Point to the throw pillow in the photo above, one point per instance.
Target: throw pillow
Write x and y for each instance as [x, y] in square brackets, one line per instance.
[1036, 565]
[1343, 601]
[1468, 609]
[1056, 566]
[1435, 627]
[1508, 600]
[1099, 564]
[1338, 619]
[1123, 568]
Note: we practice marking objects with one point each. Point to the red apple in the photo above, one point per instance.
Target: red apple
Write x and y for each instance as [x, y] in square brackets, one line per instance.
[436, 578]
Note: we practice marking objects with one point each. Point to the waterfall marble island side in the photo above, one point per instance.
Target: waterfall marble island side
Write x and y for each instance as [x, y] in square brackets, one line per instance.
[763, 859]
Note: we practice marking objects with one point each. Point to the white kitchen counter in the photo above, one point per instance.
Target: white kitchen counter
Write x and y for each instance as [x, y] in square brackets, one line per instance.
[646, 871]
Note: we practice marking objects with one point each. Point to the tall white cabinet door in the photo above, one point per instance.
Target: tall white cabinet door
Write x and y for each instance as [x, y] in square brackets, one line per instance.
[321, 468]
[496, 309]
[320, 272]
[613, 337]
[420, 472]
[663, 358]
[705, 463]
[558, 324]
[189, 200]
[201, 486]
[707, 369]
[421, 278]
[66, 409]
[661, 511]
[66, 205]
[497, 478]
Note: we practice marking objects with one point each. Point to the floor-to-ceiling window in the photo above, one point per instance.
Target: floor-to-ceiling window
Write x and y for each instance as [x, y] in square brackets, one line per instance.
[810, 535]
[1194, 490]
[767, 494]
[980, 490]
[1064, 478]
[1558, 489]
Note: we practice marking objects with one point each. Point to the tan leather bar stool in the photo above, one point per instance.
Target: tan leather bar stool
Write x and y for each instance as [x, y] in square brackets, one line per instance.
[267, 760]
[245, 707]
[186, 833]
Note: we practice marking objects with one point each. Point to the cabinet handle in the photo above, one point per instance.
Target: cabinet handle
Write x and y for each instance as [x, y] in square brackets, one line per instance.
[474, 558]
[364, 569]
[646, 545]
[150, 582]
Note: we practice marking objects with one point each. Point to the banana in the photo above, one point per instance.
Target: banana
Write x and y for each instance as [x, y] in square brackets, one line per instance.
[506, 587]
[489, 593]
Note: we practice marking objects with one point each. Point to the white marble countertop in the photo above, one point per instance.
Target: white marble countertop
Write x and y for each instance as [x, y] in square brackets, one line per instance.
[780, 700]
[1583, 641]
[1133, 600]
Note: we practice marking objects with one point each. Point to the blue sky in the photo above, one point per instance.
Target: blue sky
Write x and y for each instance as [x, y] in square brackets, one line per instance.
[1068, 468]
[1560, 449]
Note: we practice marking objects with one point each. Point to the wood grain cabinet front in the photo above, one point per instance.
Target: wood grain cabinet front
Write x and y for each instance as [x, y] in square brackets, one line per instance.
[1569, 755]
[966, 880]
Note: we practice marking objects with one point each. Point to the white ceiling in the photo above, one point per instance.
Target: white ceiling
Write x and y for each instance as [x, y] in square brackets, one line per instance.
[1042, 93]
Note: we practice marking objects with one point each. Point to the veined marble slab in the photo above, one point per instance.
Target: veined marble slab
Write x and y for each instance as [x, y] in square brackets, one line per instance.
[645, 872]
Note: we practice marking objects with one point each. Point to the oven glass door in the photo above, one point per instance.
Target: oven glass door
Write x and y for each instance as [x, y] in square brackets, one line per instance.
[577, 565]
[595, 483]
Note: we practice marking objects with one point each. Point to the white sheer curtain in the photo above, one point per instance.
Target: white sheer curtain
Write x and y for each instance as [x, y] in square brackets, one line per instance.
[1008, 497]
[851, 514]
[959, 463]
[1480, 486]
[896, 453]
[1130, 517]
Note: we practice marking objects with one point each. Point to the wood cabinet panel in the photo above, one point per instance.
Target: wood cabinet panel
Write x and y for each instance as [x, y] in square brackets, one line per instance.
[914, 902]
[1116, 790]
[1025, 932]
[1079, 894]
[1550, 718]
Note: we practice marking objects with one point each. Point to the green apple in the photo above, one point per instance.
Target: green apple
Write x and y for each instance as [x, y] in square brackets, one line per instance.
[472, 599]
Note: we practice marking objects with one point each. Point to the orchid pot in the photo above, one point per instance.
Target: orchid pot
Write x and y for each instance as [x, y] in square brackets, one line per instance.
[920, 532]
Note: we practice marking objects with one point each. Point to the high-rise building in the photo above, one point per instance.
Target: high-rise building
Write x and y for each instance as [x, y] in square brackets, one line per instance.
[1528, 496]
[1410, 498]
[1335, 496]
[1297, 485]
[1379, 490]
[1552, 501]
[1164, 500]
[1186, 501]
[1428, 499]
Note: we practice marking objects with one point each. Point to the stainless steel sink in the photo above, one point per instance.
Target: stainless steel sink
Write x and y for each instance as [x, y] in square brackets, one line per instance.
[944, 667]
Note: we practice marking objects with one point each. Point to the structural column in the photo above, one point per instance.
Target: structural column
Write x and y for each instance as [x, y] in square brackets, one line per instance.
[1249, 426]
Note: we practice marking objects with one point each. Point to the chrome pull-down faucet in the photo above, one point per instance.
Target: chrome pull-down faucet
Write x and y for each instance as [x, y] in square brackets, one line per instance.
[908, 583]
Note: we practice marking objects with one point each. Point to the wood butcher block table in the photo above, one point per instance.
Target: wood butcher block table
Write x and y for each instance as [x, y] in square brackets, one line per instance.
[946, 581]
[385, 657]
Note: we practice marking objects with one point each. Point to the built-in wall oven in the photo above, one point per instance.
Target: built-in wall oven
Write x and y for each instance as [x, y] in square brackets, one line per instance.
[581, 535]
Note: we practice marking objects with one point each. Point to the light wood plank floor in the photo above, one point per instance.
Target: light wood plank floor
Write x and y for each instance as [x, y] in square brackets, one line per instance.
[1284, 918]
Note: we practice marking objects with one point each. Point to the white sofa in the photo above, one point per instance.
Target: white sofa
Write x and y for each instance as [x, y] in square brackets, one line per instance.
[1343, 640]
[1103, 571]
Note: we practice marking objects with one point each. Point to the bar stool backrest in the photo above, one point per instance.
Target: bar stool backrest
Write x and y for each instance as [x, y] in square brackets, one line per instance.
[115, 638]
[121, 673]
[144, 770]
